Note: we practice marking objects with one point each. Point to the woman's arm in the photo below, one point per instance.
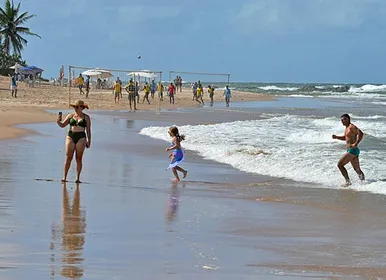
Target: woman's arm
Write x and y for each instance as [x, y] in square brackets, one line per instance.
[88, 131]
[65, 122]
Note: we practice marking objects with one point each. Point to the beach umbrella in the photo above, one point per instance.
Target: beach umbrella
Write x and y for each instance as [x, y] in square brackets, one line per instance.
[143, 73]
[30, 70]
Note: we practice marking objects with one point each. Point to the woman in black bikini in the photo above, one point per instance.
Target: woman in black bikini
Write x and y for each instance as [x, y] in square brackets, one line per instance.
[78, 138]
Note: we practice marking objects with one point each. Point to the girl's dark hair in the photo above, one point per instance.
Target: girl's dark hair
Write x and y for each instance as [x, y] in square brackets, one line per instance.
[174, 131]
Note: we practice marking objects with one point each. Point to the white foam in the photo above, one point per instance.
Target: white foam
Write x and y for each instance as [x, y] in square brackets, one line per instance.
[294, 147]
[368, 88]
[279, 88]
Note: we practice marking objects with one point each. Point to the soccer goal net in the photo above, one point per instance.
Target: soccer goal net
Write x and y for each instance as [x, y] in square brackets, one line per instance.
[217, 80]
[101, 82]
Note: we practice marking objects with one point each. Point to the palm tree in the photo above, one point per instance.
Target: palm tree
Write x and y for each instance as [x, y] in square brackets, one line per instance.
[10, 29]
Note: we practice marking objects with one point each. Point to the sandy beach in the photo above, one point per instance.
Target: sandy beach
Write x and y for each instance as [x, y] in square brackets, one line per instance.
[127, 218]
[220, 223]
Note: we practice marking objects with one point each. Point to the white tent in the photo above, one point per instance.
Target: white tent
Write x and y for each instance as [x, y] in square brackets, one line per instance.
[100, 73]
[144, 74]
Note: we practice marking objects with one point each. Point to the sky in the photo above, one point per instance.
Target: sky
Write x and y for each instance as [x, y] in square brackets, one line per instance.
[324, 41]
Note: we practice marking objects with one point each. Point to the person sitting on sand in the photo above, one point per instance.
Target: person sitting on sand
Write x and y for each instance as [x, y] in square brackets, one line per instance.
[177, 156]
[352, 135]
[227, 94]
[78, 138]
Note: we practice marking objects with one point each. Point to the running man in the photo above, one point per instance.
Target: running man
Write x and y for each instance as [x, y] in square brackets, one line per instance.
[352, 135]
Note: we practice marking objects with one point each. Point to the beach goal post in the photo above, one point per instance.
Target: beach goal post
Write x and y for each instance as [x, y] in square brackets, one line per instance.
[102, 82]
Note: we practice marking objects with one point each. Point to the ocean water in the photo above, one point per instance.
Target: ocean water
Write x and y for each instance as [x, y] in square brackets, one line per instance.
[348, 91]
[293, 145]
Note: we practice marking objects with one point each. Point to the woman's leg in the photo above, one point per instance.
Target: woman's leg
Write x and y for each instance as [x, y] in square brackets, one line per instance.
[79, 149]
[70, 148]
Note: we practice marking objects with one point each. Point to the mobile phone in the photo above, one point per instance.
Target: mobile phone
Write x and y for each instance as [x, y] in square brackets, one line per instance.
[60, 114]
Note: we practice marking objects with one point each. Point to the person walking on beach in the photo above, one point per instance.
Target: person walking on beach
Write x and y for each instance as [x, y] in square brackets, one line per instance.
[87, 86]
[117, 91]
[78, 138]
[199, 93]
[146, 89]
[211, 94]
[228, 95]
[353, 136]
[80, 82]
[120, 86]
[171, 91]
[177, 156]
[14, 85]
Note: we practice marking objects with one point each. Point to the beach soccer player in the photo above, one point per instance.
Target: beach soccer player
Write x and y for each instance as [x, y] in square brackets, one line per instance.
[117, 91]
[171, 91]
[160, 91]
[78, 137]
[130, 88]
[228, 95]
[353, 136]
[87, 84]
[14, 85]
[177, 156]
[80, 82]
[153, 87]
[146, 89]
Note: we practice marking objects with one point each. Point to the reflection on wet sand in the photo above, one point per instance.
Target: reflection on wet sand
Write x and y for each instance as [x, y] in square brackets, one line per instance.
[173, 202]
[73, 230]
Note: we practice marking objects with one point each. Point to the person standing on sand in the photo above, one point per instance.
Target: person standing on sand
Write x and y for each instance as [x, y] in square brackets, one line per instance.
[211, 94]
[171, 91]
[146, 89]
[130, 88]
[14, 85]
[80, 82]
[153, 87]
[87, 86]
[177, 156]
[160, 91]
[228, 95]
[117, 91]
[352, 135]
[78, 138]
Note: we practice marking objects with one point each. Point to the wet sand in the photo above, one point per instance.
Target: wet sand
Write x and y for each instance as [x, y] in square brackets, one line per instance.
[128, 219]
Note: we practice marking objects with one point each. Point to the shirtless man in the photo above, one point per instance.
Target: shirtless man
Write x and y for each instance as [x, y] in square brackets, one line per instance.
[352, 135]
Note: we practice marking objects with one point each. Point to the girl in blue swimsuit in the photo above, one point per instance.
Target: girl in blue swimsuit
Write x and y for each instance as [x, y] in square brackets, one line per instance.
[177, 156]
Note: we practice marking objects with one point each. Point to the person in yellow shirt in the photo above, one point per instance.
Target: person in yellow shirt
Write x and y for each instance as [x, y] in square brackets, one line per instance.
[199, 93]
[80, 82]
[146, 89]
[117, 91]
[160, 90]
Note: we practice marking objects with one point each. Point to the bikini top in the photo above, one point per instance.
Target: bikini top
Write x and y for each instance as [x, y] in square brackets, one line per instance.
[81, 122]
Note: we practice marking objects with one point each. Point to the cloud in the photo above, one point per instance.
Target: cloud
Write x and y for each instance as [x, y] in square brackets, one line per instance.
[304, 16]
